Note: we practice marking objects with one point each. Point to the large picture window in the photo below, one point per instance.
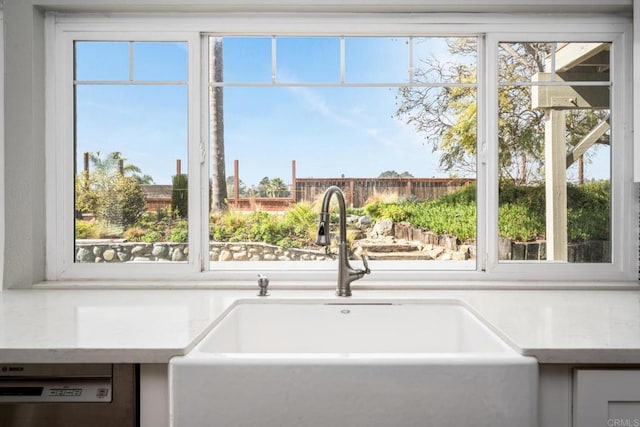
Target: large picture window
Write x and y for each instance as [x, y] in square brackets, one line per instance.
[390, 120]
[202, 148]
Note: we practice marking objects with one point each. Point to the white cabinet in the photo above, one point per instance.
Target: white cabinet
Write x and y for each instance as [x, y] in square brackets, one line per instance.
[601, 397]
[606, 398]
[154, 395]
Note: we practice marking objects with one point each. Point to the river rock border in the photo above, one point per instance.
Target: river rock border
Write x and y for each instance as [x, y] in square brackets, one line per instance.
[120, 251]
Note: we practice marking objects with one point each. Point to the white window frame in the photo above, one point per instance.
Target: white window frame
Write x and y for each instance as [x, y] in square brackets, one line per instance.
[385, 270]
[623, 211]
[60, 263]
[63, 29]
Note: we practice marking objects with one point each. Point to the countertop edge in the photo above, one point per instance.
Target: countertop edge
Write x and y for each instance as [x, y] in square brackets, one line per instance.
[97, 355]
[36, 314]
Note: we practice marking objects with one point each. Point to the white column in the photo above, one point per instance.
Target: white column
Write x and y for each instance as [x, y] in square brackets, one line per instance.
[555, 155]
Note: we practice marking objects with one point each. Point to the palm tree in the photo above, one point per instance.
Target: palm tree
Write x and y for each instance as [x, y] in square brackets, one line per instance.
[219, 186]
[111, 164]
[277, 188]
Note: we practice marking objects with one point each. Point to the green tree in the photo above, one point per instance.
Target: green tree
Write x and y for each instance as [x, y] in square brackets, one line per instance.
[277, 188]
[125, 203]
[521, 128]
[262, 189]
[111, 190]
[394, 174]
[242, 188]
[114, 199]
[447, 116]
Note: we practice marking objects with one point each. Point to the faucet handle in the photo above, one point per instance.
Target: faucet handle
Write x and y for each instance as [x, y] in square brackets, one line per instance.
[263, 283]
[365, 262]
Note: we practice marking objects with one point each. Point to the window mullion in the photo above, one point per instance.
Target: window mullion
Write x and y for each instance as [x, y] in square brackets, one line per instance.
[483, 211]
[410, 70]
[131, 62]
[274, 63]
[205, 152]
[342, 59]
[489, 149]
[198, 197]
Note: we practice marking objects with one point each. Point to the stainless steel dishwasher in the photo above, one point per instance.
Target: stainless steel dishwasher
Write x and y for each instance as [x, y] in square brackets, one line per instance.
[70, 395]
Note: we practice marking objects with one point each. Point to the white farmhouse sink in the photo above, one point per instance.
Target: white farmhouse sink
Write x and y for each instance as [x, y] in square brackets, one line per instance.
[330, 327]
[354, 363]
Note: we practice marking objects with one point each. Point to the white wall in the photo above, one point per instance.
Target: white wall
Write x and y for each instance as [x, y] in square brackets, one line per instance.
[23, 162]
[24, 145]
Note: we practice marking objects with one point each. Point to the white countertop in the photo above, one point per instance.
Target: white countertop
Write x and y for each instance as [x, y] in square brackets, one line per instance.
[151, 326]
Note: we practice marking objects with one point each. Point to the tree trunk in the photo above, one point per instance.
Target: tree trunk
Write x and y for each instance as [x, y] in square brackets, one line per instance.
[522, 178]
[219, 183]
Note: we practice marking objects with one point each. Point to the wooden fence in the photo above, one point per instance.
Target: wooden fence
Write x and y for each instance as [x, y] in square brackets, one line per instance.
[359, 191]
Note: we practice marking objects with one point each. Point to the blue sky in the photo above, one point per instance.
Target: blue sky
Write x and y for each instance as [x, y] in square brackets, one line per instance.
[146, 123]
[329, 131]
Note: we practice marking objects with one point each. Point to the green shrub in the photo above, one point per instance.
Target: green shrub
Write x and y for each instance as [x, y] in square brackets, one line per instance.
[465, 195]
[289, 242]
[356, 211]
[151, 237]
[589, 213]
[374, 209]
[393, 211]
[457, 219]
[180, 232]
[228, 227]
[521, 214]
[518, 222]
[438, 216]
[86, 230]
[159, 223]
[295, 228]
[301, 221]
[264, 227]
[134, 234]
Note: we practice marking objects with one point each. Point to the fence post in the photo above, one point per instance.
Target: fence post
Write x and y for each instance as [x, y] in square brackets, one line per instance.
[294, 195]
[236, 181]
[85, 173]
[351, 191]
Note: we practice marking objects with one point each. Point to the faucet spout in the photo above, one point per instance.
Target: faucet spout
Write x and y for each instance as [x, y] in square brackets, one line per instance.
[346, 273]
